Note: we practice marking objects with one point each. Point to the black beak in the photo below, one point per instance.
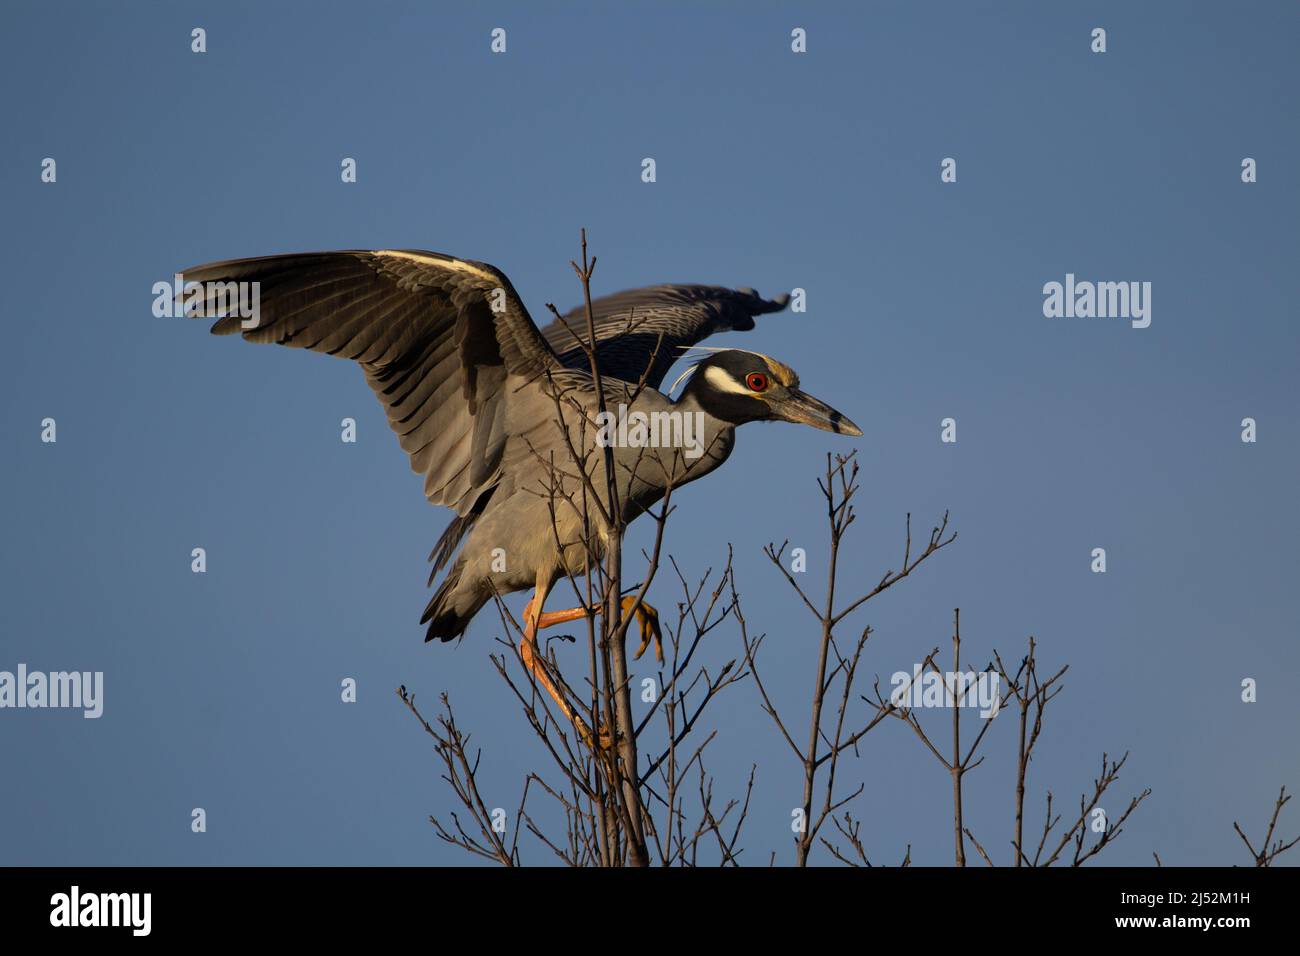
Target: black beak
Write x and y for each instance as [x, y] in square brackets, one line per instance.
[800, 407]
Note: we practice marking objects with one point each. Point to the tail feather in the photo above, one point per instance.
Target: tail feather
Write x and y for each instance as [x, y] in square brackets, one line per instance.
[452, 607]
[447, 543]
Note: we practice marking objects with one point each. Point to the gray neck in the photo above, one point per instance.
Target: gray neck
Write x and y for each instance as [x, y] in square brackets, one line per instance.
[717, 437]
[710, 442]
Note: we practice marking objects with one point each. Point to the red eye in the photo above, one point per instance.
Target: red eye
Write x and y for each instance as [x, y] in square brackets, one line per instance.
[757, 381]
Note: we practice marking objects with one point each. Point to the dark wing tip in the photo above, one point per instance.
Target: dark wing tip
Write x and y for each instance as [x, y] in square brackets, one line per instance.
[757, 305]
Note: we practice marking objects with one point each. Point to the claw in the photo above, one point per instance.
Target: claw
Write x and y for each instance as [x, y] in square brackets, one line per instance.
[603, 736]
[648, 618]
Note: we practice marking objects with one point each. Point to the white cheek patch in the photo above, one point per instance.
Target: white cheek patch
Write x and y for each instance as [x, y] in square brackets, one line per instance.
[723, 382]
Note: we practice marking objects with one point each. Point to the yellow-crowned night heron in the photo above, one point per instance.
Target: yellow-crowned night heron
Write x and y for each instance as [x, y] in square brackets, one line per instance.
[476, 392]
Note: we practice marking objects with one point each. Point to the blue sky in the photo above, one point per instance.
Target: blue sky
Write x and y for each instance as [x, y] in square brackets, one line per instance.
[775, 170]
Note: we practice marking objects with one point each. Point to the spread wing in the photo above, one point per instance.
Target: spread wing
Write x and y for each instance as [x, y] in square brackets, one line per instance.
[436, 336]
[650, 328]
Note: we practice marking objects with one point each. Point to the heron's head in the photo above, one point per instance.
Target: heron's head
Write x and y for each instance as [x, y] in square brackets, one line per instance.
[737, 387]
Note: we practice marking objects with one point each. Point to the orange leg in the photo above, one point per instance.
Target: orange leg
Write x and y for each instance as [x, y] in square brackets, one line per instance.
[551, 618]
[646, 616]
[533, 660]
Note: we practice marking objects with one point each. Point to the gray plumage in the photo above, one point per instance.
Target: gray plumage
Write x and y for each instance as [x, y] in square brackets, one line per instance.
[639, 332]
[469, 385]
